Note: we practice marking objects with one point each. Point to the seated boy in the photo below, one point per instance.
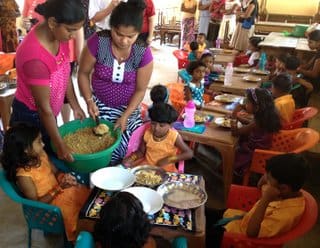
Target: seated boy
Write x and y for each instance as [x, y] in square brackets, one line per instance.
[194, 54]
[202, 42]
[301, 89]
[281, 204]
[283, 100]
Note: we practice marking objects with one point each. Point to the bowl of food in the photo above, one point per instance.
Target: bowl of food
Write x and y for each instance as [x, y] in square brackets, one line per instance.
[112, 178]
[90, 152]
[150, 176]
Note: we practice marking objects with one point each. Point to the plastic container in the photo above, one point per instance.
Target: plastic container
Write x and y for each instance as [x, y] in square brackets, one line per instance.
[228, 74]
[263, 62]
[189, 111]
[86, 163]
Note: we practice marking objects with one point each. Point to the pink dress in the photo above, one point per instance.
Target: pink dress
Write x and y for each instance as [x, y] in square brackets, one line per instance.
[37, 66]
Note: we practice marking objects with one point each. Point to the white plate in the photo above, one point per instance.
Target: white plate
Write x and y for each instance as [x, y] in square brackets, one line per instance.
[151, 200]
[260, 72]
[250, 78]
[112, 178]
[241, 70]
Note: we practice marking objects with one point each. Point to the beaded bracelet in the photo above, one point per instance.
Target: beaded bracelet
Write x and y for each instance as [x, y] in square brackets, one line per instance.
[55, 191]
[133, 157]
[172, 159]
[89, 100]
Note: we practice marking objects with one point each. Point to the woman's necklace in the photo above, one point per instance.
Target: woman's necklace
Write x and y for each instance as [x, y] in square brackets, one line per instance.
[158, 139]
[121, 56]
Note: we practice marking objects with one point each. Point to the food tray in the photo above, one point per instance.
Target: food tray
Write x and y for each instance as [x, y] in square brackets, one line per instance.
[227, 98]
[149, 175]
[182, 195]
[252, 79]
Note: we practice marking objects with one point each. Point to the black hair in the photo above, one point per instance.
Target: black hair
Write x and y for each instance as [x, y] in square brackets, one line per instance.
[122, 223]
[290, 169]
[128, 14]
[282, 82]
[205, 55]
[292, 63]
[254, 41]
[159, 93]
[163, 113]
[194, 65]
[194, 45]
[202, 34]
[64, 11]
[16, 141]
[315, 35]
[266, 116]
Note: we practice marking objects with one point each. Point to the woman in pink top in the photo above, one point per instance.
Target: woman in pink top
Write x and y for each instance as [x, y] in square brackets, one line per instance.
[43, 71]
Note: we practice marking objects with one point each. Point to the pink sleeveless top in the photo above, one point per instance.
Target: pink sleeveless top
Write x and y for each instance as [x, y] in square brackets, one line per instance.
[37, 66]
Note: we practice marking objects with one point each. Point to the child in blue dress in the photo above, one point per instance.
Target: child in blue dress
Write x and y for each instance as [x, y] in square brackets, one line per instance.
[194, 89]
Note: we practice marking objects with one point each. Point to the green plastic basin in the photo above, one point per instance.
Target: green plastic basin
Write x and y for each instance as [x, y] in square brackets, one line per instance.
[86, 163]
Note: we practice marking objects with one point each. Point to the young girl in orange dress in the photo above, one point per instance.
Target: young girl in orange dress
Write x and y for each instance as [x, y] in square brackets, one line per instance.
[161, 143]
[27, 164]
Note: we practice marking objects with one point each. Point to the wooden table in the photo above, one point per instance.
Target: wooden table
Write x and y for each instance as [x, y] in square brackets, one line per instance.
[6, 99]
[263, 27]
[196, 239]
[169, 30]
[238, 86]
[223, 57]
[221, 139]
[223, 108]
[276, 43]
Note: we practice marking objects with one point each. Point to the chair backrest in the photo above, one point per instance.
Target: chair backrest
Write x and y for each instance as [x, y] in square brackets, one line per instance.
[176, 95]
[307, 221]
[84, 240]
[38, 215]
[285, 141]
[300, 116]
[182, 58]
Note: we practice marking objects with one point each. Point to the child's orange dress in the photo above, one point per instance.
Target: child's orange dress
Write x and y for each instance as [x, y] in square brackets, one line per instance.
[70, 201]
[157, 150]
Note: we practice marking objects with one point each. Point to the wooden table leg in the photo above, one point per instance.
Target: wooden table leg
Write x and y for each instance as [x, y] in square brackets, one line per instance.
[5, 110]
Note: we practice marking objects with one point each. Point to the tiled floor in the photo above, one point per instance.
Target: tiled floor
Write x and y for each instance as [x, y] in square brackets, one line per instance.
[13, 231]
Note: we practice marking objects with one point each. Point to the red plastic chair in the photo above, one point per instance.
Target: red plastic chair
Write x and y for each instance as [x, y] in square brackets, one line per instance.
[285, 141]
[135, 141]
[300, 116]
[243, 198]
[182, 58]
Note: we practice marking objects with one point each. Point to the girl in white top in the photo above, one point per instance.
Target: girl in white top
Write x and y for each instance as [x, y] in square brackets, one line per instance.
[228, 20]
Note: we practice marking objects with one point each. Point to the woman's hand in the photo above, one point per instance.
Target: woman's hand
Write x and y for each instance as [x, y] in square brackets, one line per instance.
[78, 113]
[122, 123]
[92, 108]
[64, 152]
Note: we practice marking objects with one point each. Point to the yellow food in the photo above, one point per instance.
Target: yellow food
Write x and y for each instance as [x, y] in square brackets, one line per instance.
[84, 141]
[101, 129]
[199, 118]
[148, 177]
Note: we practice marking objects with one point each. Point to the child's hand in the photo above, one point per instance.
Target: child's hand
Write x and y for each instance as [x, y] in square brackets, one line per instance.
[128, 161]
[270, 193]
[163, 162]
[67, 181]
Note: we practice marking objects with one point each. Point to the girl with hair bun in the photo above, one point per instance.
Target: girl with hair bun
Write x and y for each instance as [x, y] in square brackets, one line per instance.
[115, 69]
[43, 72]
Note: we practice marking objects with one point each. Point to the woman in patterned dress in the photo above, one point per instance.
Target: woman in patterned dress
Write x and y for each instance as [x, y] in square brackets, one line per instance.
[122, 67]
[188, 9]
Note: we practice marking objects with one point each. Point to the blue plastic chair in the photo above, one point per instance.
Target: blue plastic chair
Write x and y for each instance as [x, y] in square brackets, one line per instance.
[38, 215]
[85, 240]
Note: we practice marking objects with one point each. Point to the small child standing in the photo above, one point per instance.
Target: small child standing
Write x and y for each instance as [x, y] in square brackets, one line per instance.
[27, 165]
[257, 134]
[281, 204]
[194, 89]
[301, 88]
[161, 142]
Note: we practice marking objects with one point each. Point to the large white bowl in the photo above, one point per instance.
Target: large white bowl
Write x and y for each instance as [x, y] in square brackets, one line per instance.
[112, 178]
[151, 200]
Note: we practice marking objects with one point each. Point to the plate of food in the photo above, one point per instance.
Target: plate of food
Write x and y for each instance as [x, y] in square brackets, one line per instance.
[252, 79]
[260, 72]
[241, 70]
[112, 178]
[227, 98]
[220, 79]
[148, 175]
[225, 122]
[182, 195]
[200, 118]
[227, 51]
[151, 200]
